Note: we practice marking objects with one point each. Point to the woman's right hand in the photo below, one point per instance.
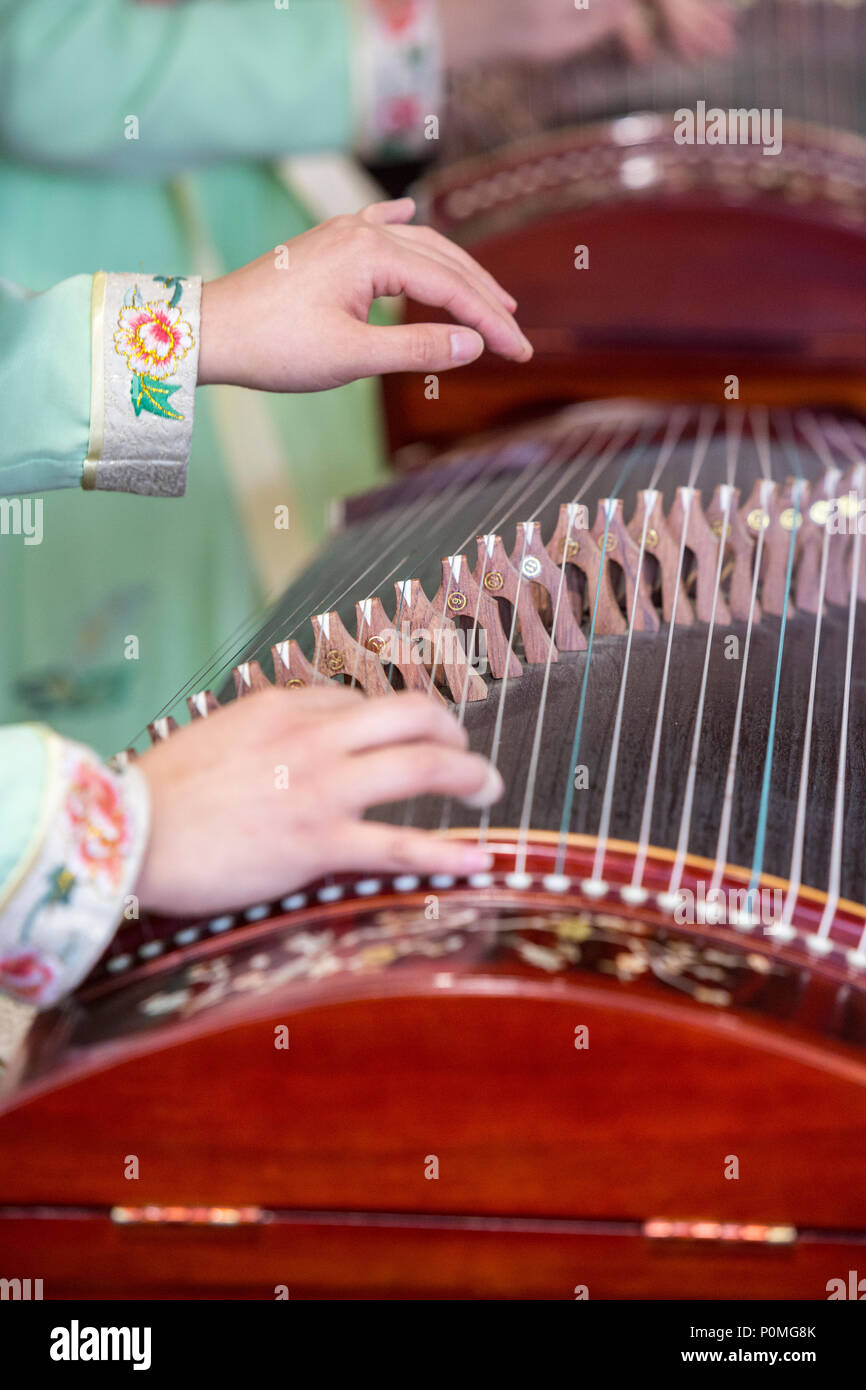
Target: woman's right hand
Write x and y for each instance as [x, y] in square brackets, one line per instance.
[268, 794]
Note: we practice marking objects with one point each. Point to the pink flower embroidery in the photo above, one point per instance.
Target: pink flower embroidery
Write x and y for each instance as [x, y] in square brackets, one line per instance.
[98, 822]
[401, 113]
[396, 15]
[153, 338]
[27, 976]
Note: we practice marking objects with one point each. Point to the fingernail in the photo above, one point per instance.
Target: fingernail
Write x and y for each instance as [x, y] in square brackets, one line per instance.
[490, 792]
[525, 344]
[465, 346]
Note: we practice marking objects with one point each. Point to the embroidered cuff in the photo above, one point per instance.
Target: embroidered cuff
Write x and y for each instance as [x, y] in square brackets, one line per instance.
[144, 345]
[63, 901]
[398, 78]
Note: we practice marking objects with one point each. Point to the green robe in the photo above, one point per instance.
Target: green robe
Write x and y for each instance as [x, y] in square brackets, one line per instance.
[217, 90]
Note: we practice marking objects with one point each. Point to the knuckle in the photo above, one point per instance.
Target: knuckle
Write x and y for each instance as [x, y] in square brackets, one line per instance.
[427, 765]
[402, 851]
[270, 705]
[424, 349]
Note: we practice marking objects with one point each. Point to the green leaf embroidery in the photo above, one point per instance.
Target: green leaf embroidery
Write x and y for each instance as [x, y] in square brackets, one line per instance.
[149, 393]
[169, 281]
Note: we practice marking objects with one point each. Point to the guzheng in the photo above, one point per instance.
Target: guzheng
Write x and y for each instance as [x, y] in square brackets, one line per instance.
[661, 983]
[629, 1062]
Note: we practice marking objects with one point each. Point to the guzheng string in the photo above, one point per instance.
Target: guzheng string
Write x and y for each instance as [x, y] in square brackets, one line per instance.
[763, 809]
[616, 440]
[494, 752]
[691, 777]
[565, 819]
[457, 497]
[795, 871]
[532, 773]
[558, 455]
[733, 757]
[386, 527]
[673, 434]
[834, 881]
[636, 886]
[525, 492]
[676, 425]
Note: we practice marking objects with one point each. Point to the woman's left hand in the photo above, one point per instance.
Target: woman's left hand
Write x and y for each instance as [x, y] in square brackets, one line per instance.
[296, 319]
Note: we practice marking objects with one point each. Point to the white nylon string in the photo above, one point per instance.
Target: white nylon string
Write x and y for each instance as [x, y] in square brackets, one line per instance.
[688, 800]
[835, 877]
[733, 757]
[635, 890]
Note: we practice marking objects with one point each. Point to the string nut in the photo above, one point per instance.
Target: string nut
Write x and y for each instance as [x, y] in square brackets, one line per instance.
[633, 894]
[820, 945]
[556, 883]
[782, 931]
[331, 893]
[518, 880]
[366, 887]
[668, 902]
[595, 887]
[294, 901]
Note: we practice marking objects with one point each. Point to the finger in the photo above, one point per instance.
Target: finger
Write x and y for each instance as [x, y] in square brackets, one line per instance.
[322, 700]
[279, 709]
[469, 281]
[449, 251]
[697, 30]
[407, 770]
[430, 282]
[400, 720]
[413, 347]
[635, 35]
[370, 847]
[395, 210]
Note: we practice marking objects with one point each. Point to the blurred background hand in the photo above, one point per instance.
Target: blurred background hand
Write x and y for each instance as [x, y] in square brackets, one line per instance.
[549, 31]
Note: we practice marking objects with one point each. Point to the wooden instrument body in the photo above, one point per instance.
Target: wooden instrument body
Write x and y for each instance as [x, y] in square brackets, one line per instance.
[581, 1078]
[702, 263]
[523, 1087]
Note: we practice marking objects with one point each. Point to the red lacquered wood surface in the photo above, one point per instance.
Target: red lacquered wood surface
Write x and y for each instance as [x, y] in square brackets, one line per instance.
[461, 1050]
[701, 264]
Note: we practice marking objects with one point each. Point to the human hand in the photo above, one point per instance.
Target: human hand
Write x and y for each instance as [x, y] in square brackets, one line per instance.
[227, 831]
[547, 31]
[299, 321]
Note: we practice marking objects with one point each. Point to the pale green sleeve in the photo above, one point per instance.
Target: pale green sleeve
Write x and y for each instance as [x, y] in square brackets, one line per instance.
[45, 362]
[202, 81]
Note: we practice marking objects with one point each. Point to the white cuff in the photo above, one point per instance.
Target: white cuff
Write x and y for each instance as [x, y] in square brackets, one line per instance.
[397, 57]
[63, 907]
[144, 348]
